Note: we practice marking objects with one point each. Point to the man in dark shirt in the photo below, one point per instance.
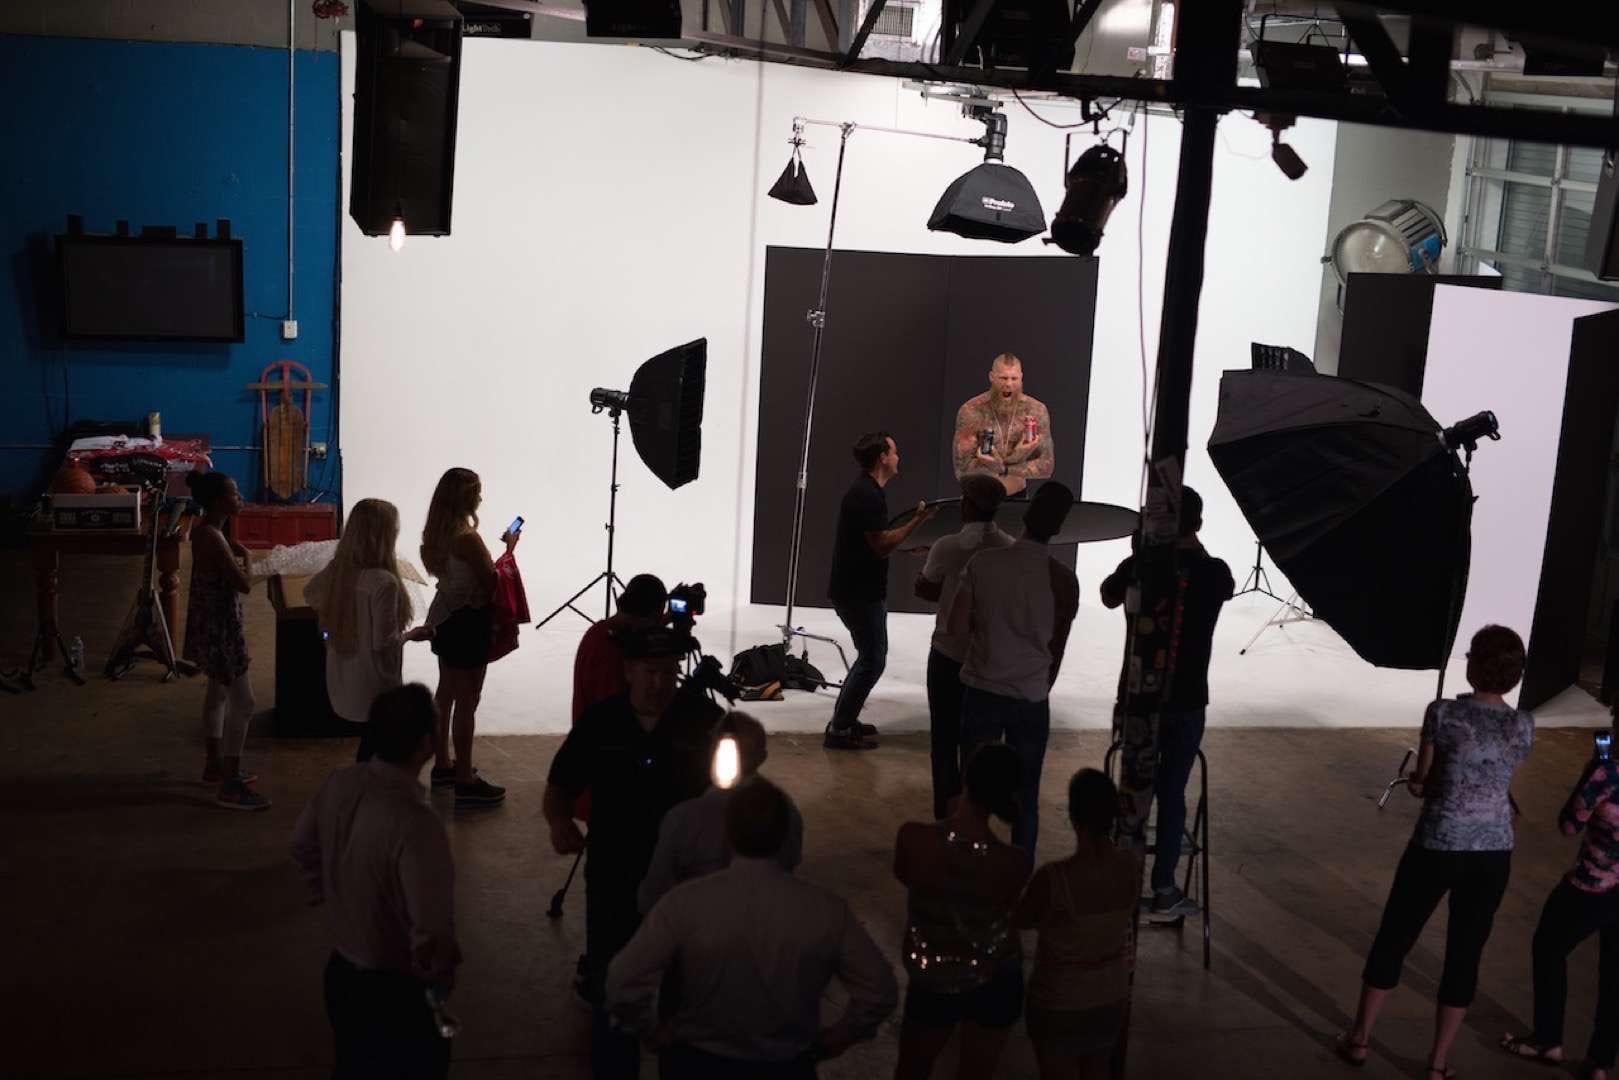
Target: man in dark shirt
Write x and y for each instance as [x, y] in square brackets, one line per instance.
[1180, 721]
[859, 587]
[639, 753]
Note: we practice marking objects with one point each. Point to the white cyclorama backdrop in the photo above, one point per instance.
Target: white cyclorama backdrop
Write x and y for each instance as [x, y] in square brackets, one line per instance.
[610, 202]
[1506, 352]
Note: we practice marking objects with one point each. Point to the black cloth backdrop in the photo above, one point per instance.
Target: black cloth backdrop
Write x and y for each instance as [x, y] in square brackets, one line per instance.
[908, 339]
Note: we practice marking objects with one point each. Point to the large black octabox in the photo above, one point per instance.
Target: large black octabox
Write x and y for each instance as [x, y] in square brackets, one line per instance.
[1352, 491]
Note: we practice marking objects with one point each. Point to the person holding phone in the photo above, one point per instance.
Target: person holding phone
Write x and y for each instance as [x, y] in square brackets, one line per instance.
[463, 628]
[1585, 902]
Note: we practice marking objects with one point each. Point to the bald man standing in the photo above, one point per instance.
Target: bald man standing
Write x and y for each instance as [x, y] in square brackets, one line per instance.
[1003, 432]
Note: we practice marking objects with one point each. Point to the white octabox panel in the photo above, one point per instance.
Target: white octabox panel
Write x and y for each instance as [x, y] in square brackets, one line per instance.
[1506, 352]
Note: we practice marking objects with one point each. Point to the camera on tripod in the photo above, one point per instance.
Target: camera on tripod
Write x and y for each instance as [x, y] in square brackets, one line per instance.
[686, 602]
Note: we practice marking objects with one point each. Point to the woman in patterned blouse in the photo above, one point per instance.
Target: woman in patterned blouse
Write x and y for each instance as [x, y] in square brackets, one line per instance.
[1471, 745]
[1584, 902]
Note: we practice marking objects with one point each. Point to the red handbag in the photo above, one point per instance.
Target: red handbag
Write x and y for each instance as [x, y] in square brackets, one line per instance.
[509, 606]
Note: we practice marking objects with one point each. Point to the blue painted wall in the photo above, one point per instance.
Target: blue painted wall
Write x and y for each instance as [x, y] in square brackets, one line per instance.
[164, 134]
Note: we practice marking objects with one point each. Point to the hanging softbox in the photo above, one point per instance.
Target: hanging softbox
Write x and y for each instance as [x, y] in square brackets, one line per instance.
[666, 412]
[990, 202]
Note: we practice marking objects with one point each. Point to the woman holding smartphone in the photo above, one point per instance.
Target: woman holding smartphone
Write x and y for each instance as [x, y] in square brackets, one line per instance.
[463, 628]
[1585, 902]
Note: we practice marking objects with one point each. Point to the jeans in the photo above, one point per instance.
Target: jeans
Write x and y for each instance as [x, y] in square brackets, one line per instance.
[690, 1063]
[944, 729]
[867, 624]
[382, 1026]
[611, 919]
[1179, 736]
[1570, 916]
[1475, 880]
[1025, 726]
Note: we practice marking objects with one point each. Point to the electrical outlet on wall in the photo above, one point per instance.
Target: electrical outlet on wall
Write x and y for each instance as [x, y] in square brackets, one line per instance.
[289, 329]
[317, 450]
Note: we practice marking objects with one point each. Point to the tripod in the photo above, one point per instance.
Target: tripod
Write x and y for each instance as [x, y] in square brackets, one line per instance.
[1257, 580]
[607, 575]
[146, 635]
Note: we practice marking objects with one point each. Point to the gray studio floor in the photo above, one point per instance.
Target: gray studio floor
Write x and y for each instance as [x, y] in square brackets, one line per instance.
[153, 934]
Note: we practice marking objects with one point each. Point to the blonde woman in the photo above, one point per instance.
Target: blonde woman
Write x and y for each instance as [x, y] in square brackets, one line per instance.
[463, 626]
[364, 609]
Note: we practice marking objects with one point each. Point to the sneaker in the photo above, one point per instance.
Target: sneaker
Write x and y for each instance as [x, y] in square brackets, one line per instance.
[853, 737]
[444, 778]
[214, 773]
[1170, 906]
[479, 793]
[235, 795]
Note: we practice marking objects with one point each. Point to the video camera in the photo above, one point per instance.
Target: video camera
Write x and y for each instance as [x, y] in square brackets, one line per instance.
[686, 602]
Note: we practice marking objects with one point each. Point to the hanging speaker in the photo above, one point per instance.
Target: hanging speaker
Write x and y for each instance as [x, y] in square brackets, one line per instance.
[406, 80]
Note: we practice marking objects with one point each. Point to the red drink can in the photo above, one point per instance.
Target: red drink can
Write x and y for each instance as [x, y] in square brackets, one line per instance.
[1031, 428]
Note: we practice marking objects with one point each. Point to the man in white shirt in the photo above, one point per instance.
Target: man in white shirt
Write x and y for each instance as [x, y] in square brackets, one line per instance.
[1016, 606]
[692, 839]
[377, 862]
[751, 950]
[981, 496]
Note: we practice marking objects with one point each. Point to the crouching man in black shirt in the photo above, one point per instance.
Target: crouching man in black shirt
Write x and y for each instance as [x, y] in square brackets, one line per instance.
[639, 753]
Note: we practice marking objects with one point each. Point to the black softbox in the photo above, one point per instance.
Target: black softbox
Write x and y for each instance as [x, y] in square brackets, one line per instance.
[666, 412]
[1350, 487]
[990, 202]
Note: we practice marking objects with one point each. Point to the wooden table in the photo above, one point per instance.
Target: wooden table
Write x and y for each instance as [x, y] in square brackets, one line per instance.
[49, 544]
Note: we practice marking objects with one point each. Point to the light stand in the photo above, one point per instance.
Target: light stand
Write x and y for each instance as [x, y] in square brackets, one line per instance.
[146, 634]
[1257, 580]
[816, 317]
[614, 408]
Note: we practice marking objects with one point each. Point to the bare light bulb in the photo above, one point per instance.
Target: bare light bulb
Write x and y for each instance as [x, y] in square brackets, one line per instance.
[726, 764]
[396, 234]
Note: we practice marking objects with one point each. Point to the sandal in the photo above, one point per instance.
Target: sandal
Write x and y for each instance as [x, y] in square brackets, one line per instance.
[1524, 1046]
[1351, 1052]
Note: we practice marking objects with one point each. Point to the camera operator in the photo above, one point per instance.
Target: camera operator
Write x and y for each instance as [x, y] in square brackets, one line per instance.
[639, 753]
[598, 664]
[1585, 902]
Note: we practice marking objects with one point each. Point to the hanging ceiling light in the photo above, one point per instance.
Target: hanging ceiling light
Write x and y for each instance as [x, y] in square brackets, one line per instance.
[396, 231]
[992, 201]
[1095, 184]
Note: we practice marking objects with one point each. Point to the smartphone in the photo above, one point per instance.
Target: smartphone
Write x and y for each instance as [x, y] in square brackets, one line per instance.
[1604, 744]
[516, 526]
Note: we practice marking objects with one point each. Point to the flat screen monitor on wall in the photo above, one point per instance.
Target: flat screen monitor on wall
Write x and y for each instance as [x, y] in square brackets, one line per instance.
[145, 289]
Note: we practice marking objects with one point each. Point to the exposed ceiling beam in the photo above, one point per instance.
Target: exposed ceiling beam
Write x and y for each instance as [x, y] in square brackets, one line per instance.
[867, 25]
[1527, 124]
[967, 36]
[1584, 22]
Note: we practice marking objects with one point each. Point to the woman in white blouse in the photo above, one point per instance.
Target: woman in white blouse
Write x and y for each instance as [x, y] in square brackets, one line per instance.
[364, 609]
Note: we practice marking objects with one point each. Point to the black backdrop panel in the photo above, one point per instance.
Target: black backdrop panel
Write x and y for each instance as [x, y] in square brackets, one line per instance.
[1386, 318]
[908, 338]
[1574, 524]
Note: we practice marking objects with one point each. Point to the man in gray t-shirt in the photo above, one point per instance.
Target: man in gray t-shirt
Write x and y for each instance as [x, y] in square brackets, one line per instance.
[981, 496]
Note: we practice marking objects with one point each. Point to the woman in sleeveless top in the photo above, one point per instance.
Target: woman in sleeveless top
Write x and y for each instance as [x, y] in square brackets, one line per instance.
[364, 609]
[963, 957]
[215, 641]
[463, 628]
[1083, 908]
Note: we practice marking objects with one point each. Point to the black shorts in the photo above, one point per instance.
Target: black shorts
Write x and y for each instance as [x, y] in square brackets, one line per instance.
[462, 640]
[996, 1004]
